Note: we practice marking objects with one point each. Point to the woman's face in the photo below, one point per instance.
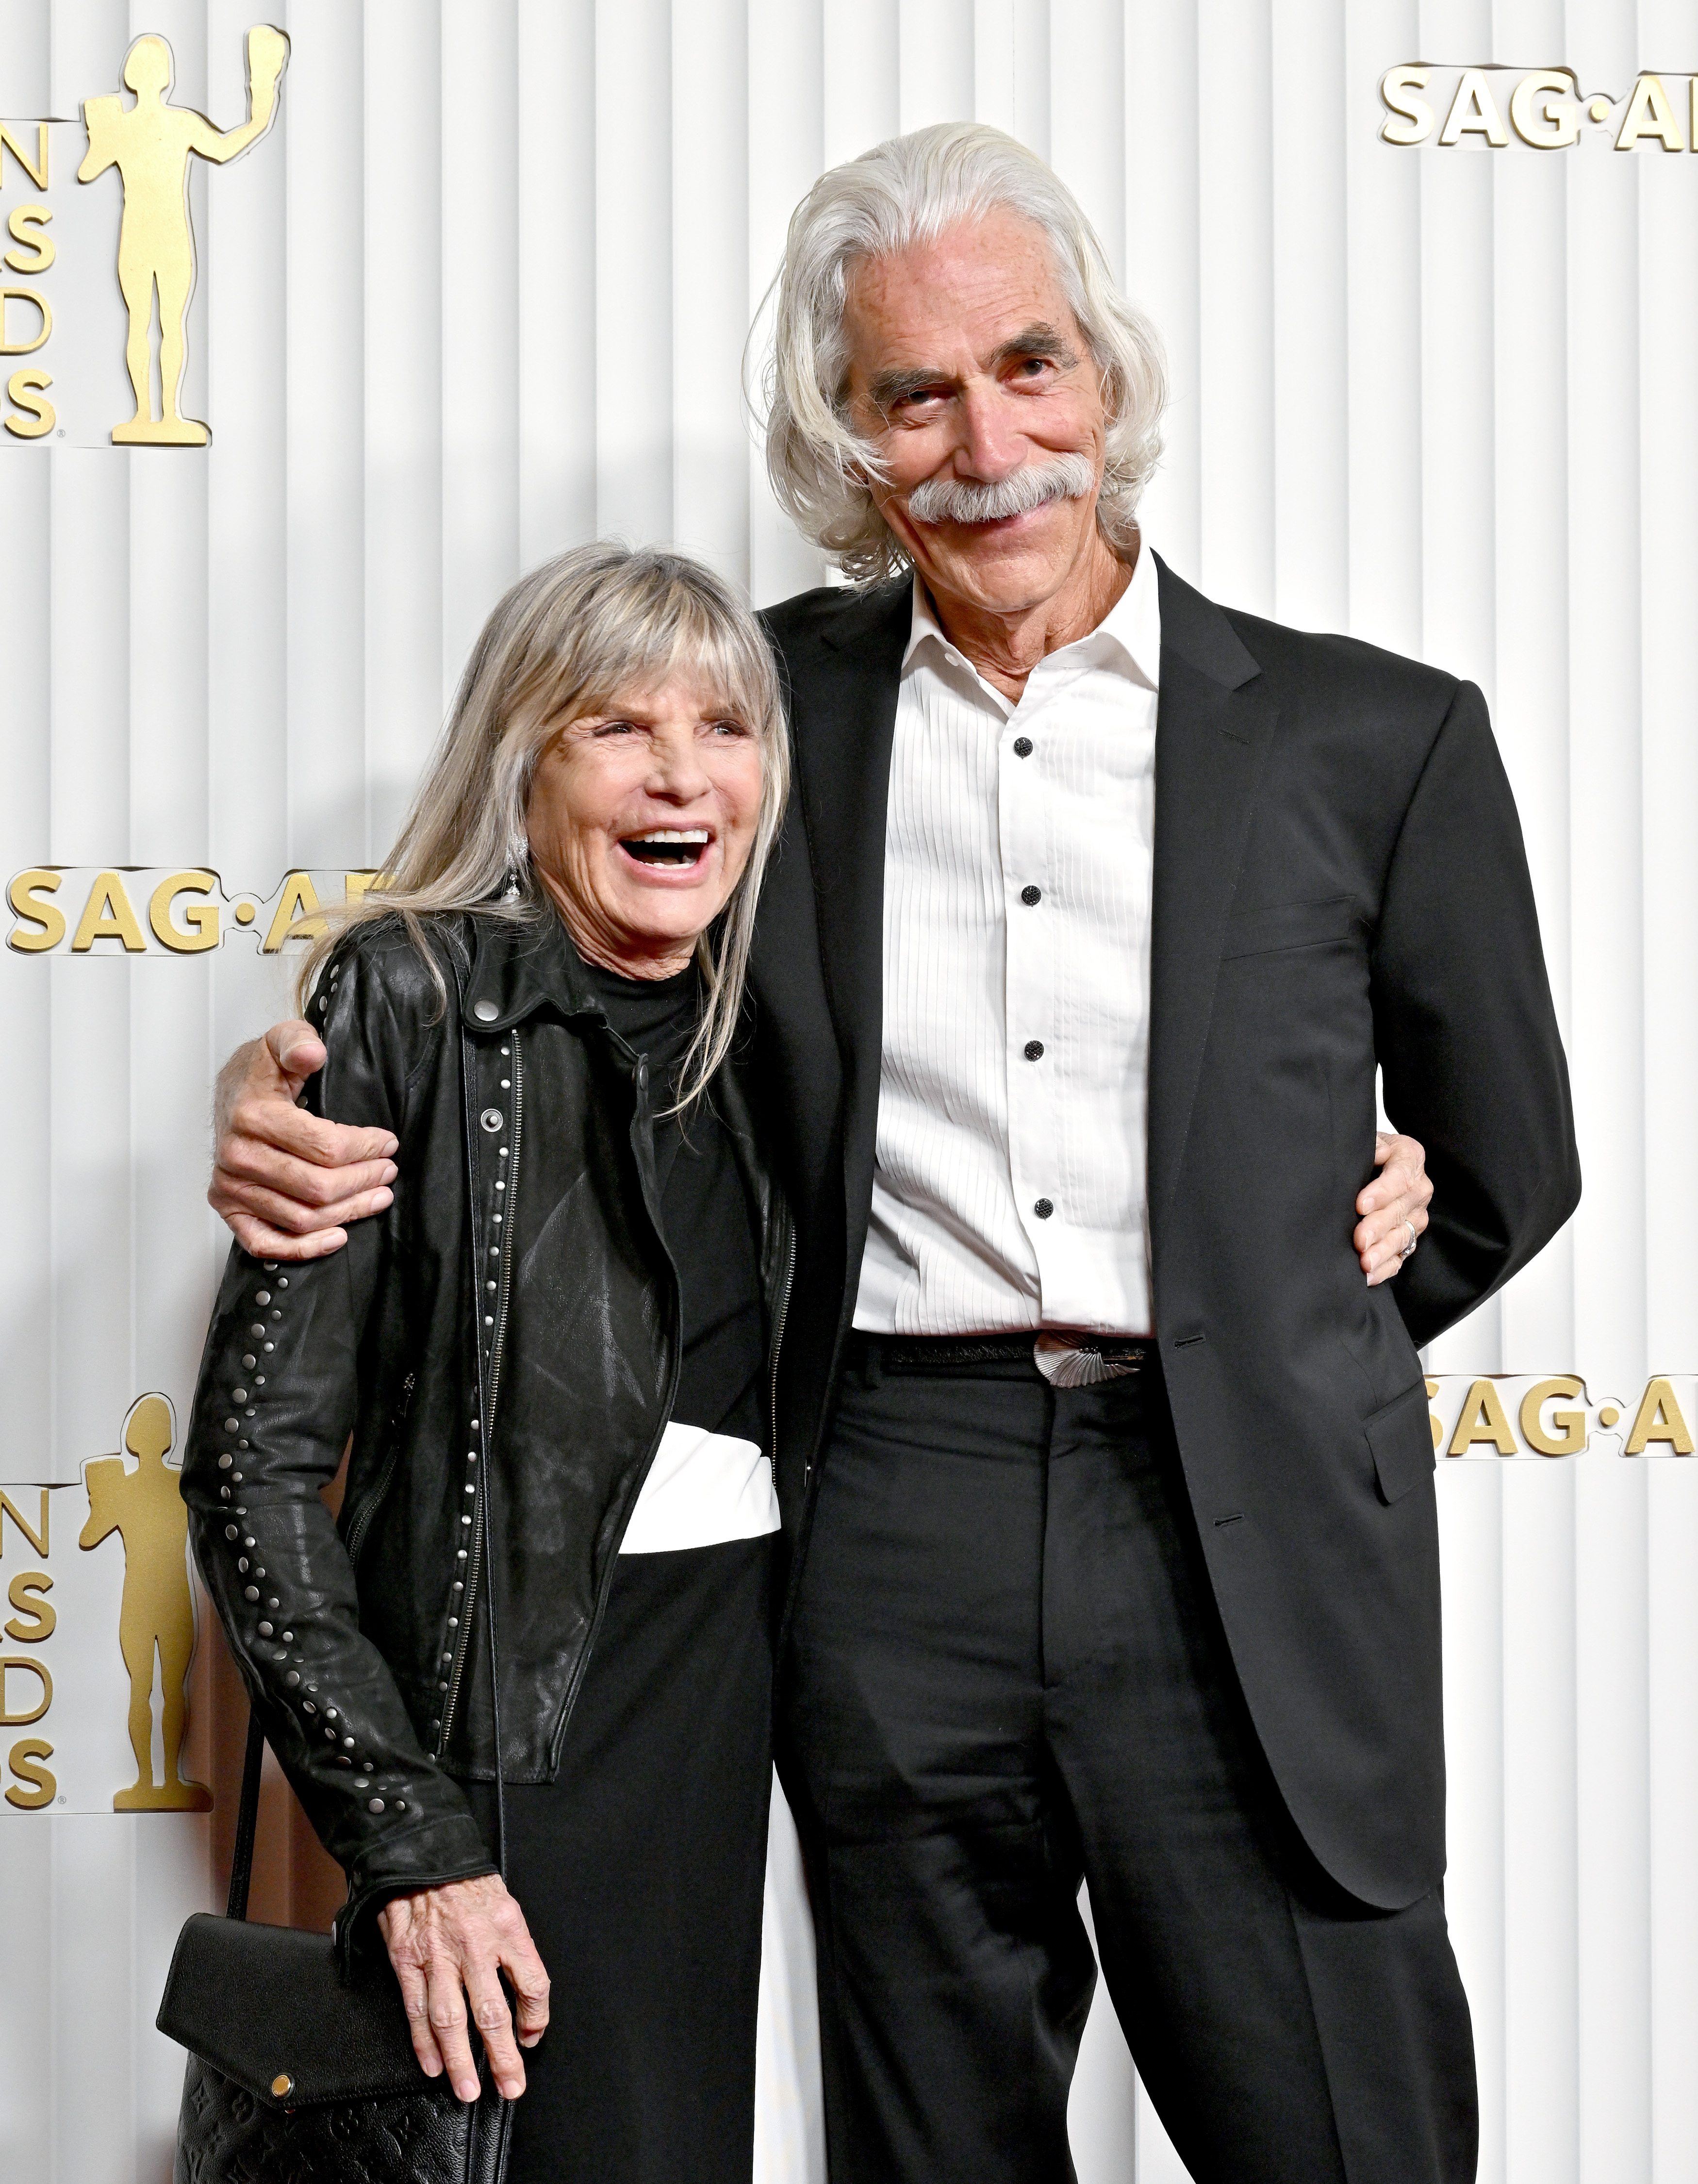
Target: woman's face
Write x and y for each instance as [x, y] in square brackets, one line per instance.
[641, 820]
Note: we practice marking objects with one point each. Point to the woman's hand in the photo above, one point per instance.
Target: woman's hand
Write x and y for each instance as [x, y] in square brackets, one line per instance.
[1397, 1197]
[450, 1944]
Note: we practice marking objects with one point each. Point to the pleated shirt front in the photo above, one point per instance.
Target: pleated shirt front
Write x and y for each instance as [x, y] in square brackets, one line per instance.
[1009, 1191]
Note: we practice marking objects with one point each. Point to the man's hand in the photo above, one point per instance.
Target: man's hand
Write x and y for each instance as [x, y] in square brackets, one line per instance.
[1393, 1204]
[284, 1180]
[450, 1944]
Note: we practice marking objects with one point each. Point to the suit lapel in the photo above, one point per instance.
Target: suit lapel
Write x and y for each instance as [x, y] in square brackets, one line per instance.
[844, 687]
[1213, 731]
[845, 713]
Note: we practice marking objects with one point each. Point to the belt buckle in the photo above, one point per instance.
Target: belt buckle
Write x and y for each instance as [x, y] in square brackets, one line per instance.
[1068, 1363]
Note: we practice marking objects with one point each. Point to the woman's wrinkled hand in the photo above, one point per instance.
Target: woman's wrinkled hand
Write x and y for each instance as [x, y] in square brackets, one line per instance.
[449, 1947]
[1393, 1204]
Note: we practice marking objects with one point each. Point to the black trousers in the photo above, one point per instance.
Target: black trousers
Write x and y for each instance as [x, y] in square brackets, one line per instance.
[641, 1872]
[1007, 1673]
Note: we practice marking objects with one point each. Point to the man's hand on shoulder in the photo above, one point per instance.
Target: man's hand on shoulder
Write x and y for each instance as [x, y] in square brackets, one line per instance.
[284, 1180]
[1393, 1206]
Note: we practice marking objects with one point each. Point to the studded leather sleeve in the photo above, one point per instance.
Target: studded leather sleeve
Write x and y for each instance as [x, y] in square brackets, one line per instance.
[278, 1396]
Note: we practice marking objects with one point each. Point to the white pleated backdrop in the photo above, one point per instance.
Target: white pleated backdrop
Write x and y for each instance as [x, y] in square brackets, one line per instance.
[485, 295]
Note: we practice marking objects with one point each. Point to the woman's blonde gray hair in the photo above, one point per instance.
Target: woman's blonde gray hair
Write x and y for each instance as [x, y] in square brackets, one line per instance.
[910, 189]
[565, 640]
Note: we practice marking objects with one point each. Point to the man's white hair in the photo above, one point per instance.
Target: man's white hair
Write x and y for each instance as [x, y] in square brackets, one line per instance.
[911, 190]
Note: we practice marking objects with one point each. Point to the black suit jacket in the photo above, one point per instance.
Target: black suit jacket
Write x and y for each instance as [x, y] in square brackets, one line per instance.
[1339, 882]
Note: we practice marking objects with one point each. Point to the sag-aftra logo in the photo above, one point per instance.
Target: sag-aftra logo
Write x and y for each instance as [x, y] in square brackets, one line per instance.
[1542, 110]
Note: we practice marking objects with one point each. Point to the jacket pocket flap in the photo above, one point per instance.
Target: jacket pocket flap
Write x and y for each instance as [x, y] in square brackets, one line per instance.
[1401, 1436]
[1288, 925]
[265, 2005]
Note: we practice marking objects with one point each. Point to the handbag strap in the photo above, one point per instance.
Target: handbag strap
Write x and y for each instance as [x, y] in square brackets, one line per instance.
[247, 1820]
[247, 1812]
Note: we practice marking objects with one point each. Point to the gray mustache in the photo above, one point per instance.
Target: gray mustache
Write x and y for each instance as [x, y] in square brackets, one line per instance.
[958, 500]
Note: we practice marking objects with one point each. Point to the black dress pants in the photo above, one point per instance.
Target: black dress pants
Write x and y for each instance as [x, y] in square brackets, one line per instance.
[1007, 1673]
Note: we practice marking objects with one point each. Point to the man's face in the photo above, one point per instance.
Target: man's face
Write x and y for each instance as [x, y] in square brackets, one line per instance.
[966, 365]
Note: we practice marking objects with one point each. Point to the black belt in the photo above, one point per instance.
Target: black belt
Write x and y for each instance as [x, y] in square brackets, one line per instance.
[926, 1353]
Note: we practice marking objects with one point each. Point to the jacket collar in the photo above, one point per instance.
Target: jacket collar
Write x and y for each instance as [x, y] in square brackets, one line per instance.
[1196, 630]
[1127, 641]
[847, 692]
[517, 970]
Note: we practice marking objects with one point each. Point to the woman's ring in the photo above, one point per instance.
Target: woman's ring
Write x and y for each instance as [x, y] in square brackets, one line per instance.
[1408, 1251]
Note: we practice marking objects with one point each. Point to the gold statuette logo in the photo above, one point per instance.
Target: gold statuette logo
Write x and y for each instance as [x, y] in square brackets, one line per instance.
[157, 1620]
[68, 226]
[151, 143]
[102, 1616]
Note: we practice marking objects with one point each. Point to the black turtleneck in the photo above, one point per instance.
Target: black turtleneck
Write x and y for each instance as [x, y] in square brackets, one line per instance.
[709, 1224]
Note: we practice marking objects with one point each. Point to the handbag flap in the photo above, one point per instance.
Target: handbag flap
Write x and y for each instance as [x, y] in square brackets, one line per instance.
[266, 2006]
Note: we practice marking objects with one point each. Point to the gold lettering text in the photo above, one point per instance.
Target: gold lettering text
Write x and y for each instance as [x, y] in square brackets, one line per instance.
[1483, 1419]
[1473, 111]
[25, 896]
[203, 917]
[38, 173]
[24, 296]
[38, 1540]
[24, 1760]
[298, 895]
[107, 916]
[1650, 113]
[1536, 117]
[10, 1662]
[1414, 116]
[43, 1620]
[1567, 1432]
[33, 418]
[1659, 1419]
[25, 227]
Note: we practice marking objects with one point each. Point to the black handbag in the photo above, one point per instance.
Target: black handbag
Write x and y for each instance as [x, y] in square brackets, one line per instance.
[295, 2077]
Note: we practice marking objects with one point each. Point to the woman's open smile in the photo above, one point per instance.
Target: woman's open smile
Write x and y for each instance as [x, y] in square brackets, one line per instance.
[669, 848]
[641, 820]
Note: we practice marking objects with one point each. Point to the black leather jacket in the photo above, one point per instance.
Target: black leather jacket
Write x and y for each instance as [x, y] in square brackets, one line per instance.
[512, 1320]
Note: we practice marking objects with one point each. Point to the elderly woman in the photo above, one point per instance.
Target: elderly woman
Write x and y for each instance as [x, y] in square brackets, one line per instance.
[560, 1341]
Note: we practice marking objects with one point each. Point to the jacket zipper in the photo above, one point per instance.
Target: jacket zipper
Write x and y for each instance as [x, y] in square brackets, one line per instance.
[368, 1508]
[488, 1434]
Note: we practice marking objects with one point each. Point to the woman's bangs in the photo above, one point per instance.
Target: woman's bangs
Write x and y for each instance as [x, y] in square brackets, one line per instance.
[684, 637]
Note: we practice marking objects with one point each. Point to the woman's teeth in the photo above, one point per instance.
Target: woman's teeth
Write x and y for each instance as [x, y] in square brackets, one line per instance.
[667, 845]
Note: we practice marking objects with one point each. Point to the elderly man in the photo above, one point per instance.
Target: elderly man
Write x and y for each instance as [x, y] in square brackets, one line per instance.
[1107, 1474]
